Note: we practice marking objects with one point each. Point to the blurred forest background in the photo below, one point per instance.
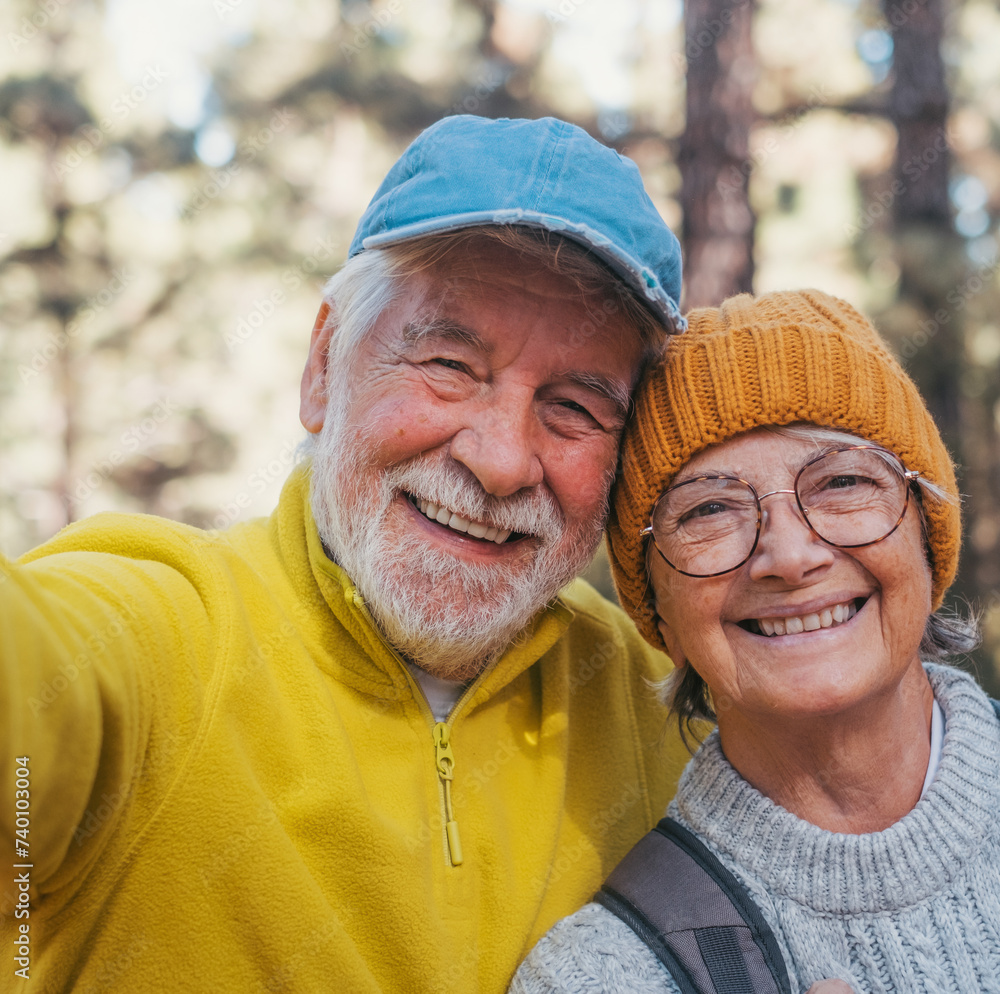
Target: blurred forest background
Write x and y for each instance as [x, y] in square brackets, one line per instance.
[178, 179]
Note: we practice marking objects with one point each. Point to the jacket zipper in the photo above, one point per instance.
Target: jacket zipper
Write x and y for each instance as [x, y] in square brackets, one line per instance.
[444, 757]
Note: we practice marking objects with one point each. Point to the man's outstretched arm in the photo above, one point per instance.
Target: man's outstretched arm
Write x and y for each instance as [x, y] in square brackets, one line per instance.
[80, 633]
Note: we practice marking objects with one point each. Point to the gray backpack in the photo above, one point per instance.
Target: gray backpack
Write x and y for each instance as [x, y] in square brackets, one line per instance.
[695, 915]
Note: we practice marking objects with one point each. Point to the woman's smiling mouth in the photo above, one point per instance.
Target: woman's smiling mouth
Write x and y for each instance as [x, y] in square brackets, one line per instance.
[828, 617]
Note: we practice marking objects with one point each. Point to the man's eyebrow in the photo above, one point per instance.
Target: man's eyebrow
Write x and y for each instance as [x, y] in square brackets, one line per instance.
[445, 331]
[615, 390]
[442, 329]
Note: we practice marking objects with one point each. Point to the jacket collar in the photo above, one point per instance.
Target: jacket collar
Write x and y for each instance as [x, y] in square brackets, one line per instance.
[376, 668]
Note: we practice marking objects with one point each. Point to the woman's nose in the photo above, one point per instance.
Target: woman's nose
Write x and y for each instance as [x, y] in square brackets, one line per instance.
[788, 547]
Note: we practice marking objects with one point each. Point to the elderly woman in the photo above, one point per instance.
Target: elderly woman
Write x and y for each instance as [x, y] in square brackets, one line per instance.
[786, 527]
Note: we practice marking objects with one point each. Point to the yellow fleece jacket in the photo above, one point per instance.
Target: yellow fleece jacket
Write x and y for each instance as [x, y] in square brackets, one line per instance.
[235, 785]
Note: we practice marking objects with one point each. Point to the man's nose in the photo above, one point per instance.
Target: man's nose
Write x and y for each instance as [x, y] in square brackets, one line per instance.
[788, 547]
[498, 445]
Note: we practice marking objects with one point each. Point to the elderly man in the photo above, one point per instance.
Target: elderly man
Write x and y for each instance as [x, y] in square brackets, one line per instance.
[375, 742]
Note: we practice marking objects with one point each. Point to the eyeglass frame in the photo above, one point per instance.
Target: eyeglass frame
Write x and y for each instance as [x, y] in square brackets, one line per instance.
[910, 476]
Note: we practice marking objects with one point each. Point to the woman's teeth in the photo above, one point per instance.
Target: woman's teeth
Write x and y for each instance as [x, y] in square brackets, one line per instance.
[826, 618]
[474, 528]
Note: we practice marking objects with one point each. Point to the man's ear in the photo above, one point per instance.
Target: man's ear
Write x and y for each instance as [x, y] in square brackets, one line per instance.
[313, 393]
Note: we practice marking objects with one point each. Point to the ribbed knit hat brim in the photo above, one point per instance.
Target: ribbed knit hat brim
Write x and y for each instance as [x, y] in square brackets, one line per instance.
[772, 360]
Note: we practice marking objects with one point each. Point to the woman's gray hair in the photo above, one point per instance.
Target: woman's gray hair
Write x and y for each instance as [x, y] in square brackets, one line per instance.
[947, 633]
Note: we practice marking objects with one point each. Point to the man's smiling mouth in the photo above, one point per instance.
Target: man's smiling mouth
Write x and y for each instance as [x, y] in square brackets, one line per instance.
[829, 617]
[451, 519]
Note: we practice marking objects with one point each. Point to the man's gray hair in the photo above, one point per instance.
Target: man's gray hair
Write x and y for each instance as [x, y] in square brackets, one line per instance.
[373, 280]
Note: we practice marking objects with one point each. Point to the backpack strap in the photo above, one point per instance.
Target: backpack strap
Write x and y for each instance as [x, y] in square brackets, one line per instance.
[695, 915]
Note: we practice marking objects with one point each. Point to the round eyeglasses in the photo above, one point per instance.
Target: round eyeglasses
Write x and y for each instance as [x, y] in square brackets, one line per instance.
[849, 497]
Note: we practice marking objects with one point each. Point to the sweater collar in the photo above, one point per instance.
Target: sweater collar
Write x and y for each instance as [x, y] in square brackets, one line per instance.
[377, 668]
[852, 874]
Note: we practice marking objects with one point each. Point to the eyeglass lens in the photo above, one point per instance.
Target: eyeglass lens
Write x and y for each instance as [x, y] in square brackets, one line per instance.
[851, 497]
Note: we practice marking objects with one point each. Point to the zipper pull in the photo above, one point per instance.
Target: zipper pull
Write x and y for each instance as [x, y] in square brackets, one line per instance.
[444, 759]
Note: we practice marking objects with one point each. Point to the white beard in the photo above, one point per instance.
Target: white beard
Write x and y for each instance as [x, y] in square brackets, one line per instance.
[450, 617]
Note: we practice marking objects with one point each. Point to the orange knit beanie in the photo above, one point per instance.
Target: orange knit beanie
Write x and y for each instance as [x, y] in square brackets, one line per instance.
[771, 360]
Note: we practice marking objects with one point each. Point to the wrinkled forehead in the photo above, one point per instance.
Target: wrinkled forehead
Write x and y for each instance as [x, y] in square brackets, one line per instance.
[489, 287]
[768, 450]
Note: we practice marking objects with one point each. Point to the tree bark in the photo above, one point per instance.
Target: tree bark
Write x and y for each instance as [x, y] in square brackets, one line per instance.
[918, 106]
[938, 286]
[932, 260]
[714, 155]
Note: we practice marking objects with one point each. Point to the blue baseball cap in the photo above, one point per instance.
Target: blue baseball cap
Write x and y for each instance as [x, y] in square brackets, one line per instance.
[464, 171]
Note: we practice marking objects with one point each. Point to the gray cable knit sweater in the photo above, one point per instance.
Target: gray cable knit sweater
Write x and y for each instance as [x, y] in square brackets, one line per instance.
[914, 909]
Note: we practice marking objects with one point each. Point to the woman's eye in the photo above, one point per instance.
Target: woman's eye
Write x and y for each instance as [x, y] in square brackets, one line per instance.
[844, 481]
[572, 405]
[705, 510]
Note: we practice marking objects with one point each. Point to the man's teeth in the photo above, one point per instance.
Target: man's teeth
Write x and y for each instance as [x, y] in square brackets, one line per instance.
[826, 618]
[474, 528]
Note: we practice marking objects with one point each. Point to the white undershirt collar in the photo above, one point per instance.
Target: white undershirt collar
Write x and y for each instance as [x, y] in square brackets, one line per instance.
[442, 695]
[937, 746]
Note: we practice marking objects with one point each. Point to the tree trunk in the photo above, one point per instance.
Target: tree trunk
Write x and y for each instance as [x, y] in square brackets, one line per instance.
[932, 258]
[714, 156]
[937, 285]
[918, 106]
